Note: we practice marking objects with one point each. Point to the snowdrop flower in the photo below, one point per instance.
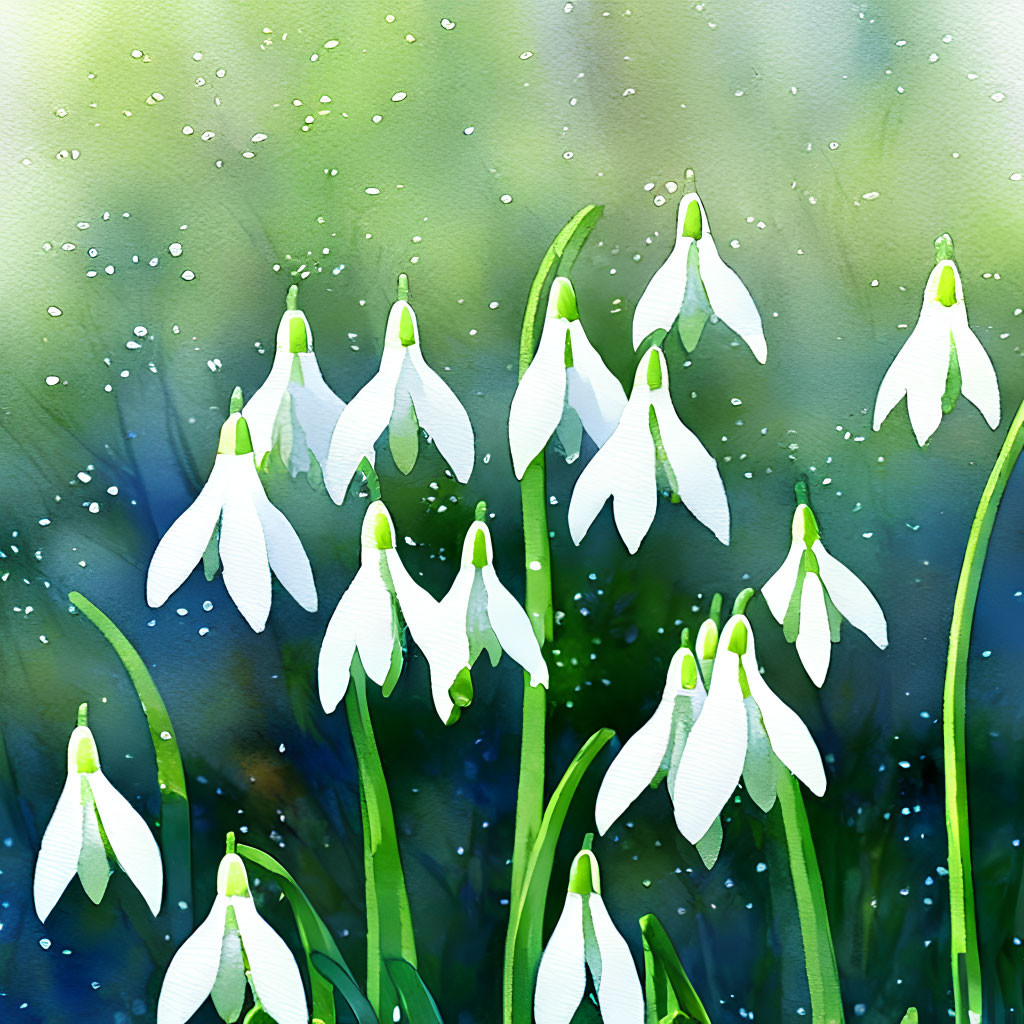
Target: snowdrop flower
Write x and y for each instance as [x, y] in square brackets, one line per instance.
[565, 390]
[740, 727]
[89, 816]
[586, 937]
[655, 750]
[405, 395]
[649, 450]
[694, 285]
[491, 616]
[293, 408]
[232, 946]
[368, 624]
[941, 359]
[254, 536]
[812, 593]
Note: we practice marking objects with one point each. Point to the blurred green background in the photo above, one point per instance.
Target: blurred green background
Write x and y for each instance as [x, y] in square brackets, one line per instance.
[167, 173]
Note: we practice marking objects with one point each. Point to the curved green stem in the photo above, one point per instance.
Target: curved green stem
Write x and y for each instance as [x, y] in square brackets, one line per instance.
[530, 796]
[175, 826]
[966, 963]
[819, 953]
[389, 934]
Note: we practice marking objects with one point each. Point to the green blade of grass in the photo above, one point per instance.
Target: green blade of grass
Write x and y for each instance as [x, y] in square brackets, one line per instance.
[175, 825]
[316, 938]
[966, 962]
[389, 934]
[526, 922]
[414, 997]
[559, 258]
[667, 989]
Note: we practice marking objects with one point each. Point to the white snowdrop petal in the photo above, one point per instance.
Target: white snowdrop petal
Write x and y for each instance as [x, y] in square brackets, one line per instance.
[978, 378]
[778, 591]
[275, 974]
[93, 865]
[561, 976]
[130, 839]
[193, 971]
[537, 404]
[339, 644]
[593, 390]
[851, 597]
[183, 544]
[695, 469]
[228, 992]
[260, 411]
[618, 992]
[814, 640]
[790, 738]
[374, 623]
[728, 296]
[622, 469]
[662, 299]
[285, 552]
[712, 760]
[512, 627]
[442, 416]
[243, 553]
[317, 407]
[636, 763]
[57, 862]
[361, 423]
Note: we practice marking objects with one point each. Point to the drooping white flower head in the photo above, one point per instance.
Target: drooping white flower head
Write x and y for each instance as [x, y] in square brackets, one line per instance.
[492, 618]
[368, 623]
[405, 395]
[90, 810]
[233, 517]
[293, 409]
[649, 450]
[234, 945]
[694, 285]
[812, 593]
[585, 937]
[566, 389]
[941, 359]
[655, 750]
[742, 724]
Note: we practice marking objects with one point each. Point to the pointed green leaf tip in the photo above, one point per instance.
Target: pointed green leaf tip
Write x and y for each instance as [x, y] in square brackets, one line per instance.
[693, 223]
[292, 299]
[236, 401]
[585, 875]
[406, 332]
[654, 380]
[565, 299]
[946, 291]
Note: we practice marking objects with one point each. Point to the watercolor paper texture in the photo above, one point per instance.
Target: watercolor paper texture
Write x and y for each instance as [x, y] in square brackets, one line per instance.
[451, 255]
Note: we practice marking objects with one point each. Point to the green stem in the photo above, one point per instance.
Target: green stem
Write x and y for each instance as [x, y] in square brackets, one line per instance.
[966, 963]
[539, 607]
[175, 827]
[819, 953]
[389, 934]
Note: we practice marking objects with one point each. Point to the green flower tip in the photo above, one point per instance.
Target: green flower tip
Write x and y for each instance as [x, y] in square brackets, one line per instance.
[654, 375]
[237, 401]
[943, 247]
[292, 299]
[481, 556]
[406, 328]
[738, 637]
[739, 606]
[684, 638]
[693, 222]
[299, 338]
[231, 877]
[946, 290]
[688, 672]
[707, 640]
[585, 875]
[480, 513]
[383, 537]
[229, 842]
[805, 525]
[563, 300]
[83, 755]
[234, 434]
[461, 691]
[568, 359]
[715, 611]
[83, 714]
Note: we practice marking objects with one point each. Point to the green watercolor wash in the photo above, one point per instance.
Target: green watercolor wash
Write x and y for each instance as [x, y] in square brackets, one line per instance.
[668, 993]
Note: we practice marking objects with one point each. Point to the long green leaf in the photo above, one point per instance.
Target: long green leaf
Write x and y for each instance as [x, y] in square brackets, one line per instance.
[389, 934]
[417, 1003]
[966, 963]
[316, 938]
[175, 826]
[667, 989]
[340, 977]
[526, 928]
[819, 952]
[561, 254]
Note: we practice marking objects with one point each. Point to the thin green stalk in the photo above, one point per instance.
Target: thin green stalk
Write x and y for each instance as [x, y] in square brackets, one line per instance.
[819, 953]
[539, 606]
[389, 934]
[175, 827]
[966, 963]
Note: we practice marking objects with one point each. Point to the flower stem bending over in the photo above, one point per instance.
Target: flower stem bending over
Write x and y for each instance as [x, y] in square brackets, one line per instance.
[967, 993]
[530, 795]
